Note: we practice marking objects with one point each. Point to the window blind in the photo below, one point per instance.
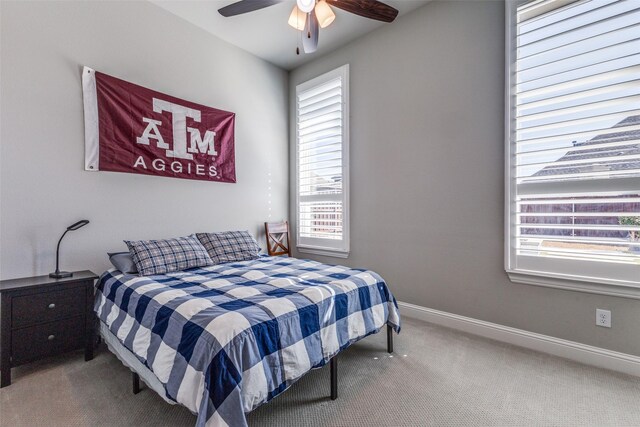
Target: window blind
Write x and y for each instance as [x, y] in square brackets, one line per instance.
[321, 162]
[575, 141]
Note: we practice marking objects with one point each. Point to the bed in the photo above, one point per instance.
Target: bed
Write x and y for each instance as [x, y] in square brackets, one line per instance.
[223, 339]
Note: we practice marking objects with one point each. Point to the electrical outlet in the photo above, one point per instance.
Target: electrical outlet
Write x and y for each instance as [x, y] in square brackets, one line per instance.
[603, 318]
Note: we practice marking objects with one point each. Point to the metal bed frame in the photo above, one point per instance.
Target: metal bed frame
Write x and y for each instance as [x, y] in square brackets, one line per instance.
[333, 368]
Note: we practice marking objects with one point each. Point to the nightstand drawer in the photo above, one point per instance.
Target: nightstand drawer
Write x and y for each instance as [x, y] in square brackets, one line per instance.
[49, 339]
[48, 306]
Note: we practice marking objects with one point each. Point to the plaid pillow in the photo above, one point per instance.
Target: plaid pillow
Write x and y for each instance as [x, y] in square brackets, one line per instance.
[230, 246]
[164, 256]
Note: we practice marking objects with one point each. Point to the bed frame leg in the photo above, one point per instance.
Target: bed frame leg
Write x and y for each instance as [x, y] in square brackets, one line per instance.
[334, 377]
[135, 382]
[389, 339]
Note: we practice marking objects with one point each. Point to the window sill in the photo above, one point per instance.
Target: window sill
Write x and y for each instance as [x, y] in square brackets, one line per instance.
[323, 252]
[574, 284]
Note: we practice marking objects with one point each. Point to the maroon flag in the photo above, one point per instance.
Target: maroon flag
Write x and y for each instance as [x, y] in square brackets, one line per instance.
[129, 128]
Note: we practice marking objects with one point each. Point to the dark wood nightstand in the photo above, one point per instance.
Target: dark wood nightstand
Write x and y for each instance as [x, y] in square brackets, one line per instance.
[42, 317]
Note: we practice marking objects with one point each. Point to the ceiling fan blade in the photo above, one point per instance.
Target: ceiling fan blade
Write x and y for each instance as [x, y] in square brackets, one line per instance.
[371, 9]
[245, 6]
[312, 29]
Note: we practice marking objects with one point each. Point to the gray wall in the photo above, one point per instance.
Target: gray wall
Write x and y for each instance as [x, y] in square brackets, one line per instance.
[427, 114]
[43, 185]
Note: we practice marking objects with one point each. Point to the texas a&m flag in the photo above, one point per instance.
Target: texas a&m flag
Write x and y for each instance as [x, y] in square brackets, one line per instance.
[129, 128]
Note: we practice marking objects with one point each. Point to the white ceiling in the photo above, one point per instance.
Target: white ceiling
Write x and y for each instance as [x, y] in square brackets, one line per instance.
[265, 32]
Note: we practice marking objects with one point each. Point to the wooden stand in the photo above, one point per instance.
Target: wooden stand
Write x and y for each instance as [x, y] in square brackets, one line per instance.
[44, 316]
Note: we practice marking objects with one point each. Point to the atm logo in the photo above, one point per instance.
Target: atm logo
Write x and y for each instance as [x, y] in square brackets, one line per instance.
[181, 132]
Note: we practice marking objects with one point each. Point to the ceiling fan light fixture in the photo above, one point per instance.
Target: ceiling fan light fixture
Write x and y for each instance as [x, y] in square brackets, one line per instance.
[306, 5]
[297, 19]
[324, 14]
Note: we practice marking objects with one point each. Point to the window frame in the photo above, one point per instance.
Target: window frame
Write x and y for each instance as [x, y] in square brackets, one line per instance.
[342, 250]
[550, 279]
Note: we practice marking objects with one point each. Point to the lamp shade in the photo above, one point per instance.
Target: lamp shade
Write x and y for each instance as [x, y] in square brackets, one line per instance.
[324, 14]
[78, 224]
[306, 5]
[297, 19]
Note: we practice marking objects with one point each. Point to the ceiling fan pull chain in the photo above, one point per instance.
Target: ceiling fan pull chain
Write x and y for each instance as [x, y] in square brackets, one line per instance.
[298, 38]
[298, 42]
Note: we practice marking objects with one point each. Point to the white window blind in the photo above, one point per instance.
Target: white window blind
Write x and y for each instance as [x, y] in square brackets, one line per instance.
[322, 164]
[573, 164]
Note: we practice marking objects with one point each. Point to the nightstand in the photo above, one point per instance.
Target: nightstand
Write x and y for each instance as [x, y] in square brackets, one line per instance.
[41, 317]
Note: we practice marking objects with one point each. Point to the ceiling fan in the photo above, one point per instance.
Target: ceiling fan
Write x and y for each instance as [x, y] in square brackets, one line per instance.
[308, 16]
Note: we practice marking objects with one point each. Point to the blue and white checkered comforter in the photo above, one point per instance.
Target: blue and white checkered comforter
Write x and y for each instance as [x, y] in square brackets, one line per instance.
[227, 338]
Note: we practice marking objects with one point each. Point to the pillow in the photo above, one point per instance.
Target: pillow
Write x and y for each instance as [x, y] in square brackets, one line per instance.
[229, 246]
[123, 261]
[165, 256]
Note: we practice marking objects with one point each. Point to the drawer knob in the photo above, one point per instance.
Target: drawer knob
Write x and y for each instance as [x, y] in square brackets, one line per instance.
[52, 305]
[51, 337]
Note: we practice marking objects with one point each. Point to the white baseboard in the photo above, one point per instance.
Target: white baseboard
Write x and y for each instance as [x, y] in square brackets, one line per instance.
[596, 356]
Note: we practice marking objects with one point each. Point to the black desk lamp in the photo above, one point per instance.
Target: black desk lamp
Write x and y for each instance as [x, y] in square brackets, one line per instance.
[61, 274]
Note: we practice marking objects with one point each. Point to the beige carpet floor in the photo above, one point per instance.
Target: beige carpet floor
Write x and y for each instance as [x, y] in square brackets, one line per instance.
[436, 377]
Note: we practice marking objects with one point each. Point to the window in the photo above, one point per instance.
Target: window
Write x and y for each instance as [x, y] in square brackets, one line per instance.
[573, 144]
[322, 161]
